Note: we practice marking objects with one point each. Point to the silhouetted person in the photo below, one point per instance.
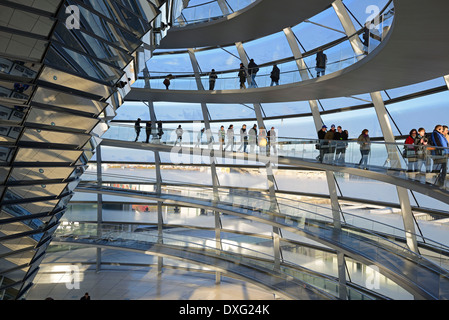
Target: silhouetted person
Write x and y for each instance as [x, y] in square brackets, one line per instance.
[275, 75]
[85, 297]
[160, 132]
[253, 68]
[212, 78]
[137, 129]
[321, 60]
[148, 131]
[242, 76]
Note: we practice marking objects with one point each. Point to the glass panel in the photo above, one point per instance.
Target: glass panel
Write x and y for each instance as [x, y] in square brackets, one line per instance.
[83, 65]
[419, 112]
[48, 155]
[402, 91]
[45, 136]
[166, 111]
[47, 173]
[268, 49]
[230, 111]
[79, 40]
[133, 111]
[218, 59]
[61, 78]
[60, 119]
[67, 101]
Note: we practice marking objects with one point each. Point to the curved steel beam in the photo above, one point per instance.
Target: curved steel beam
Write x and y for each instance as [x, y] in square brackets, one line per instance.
[399, 266]
[259, 19]
[413, 51]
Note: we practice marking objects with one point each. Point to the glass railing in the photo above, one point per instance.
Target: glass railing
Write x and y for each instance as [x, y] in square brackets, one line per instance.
[424, 163]
[356, 235]
[340, 55]
[437, 252]
[116, 233]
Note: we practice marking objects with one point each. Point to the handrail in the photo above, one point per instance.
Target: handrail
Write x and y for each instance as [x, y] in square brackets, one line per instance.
[304, 223]
[174, 184]
[291, 212]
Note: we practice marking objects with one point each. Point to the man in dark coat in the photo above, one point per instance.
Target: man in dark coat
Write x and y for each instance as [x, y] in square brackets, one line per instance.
[321, 60]
[253, 68]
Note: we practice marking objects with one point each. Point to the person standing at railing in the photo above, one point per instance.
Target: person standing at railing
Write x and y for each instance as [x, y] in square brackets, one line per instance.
[148, 131]
[272, 141]
[221, 137]
[341, 138]
[321, 60]
[137, 128]
[329, 152]
[212, 78]
[252, 137]
[322, 145]
[275, 75]
[230, 136]
[199, 138]
[262, 141]
[243, 139]
[446, 133]
[253, 68]
[410, 151]
[179, 132]
[440, 153]
[422, 151]
[365, 147]
[242, 76]
[366, 37]
[160, 132]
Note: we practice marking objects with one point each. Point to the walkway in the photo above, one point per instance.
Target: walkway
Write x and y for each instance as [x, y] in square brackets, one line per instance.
[379, 173]
[422, 278]
[411, 53]
[257, 20]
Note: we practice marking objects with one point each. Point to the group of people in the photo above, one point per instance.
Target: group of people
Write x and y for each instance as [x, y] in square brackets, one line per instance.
[249, 73]
[428, 149]
[423, 151]
[254, 138]
[156, 131]
[332, 144]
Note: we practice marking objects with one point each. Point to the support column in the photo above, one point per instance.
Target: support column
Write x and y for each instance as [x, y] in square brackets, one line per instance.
[385, 125]
[302, 68]
[330, 178]
[99, 205]
[342, 276]
[277, 234]
[291, 39]
[223, 7]
[214, 176]
[157, 162]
